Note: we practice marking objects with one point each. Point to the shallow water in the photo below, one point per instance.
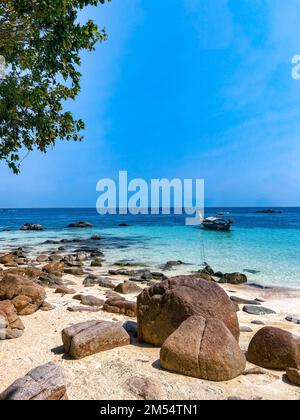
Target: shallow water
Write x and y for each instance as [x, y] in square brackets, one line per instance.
[267, 245]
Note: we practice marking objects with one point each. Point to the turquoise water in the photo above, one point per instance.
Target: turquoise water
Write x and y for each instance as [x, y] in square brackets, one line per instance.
[266, 243]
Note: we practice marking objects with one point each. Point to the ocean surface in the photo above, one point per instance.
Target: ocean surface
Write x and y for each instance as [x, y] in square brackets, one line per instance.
[264, 246]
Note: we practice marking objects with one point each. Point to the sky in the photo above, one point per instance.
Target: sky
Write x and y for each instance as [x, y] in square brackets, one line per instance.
[185, 88]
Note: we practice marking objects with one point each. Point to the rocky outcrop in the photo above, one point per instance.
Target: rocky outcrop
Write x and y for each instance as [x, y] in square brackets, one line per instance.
[24, 294]
[80, 225]
[121, 307]
[127, 287]
[163, 307]
[32, 226]
[234, 278]
[205, 349]
[92, 337]
[273, 348]
[45, 382]
[10, 324]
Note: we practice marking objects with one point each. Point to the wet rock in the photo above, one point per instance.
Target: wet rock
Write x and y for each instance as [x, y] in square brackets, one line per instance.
[92, 337]
[293, 376]
[64, 290]
[49, 280]
[96, 238]
[121, 307]
[158, 276]
[80, 225]
[163, 307]
[294, 319]
[97, 262]
[242, 301]
[45, 382]
[127, 287]
[203, 348]
[31, 226]
[273, 348]
[123, 225]
[131, 328]
[258, 310]
[10, 324]
[24, 294]
[233, 278]
[255, 322]
[42, 258]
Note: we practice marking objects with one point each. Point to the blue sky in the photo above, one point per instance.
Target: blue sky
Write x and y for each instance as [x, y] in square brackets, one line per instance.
[185, 88]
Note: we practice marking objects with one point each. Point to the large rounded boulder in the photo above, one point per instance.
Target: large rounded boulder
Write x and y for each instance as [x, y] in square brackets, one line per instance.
[205, 349]
[26, 296]
[273, 348]
[163, 307]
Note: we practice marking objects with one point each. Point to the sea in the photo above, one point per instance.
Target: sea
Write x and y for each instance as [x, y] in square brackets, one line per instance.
[266, 247]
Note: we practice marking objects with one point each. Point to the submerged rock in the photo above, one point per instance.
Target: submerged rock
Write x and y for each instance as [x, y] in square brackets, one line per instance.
[87, 338]
[163, 307]
[45, 382]
[32, 226]
[80, 225]
[205, 349]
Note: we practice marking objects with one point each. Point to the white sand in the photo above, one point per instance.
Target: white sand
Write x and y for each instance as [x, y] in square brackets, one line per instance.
[104, 376]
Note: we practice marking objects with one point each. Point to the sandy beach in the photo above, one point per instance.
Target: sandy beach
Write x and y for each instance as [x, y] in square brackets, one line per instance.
[109, 375]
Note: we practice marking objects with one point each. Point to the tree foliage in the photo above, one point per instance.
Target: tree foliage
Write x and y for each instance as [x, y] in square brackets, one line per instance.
[41, 41]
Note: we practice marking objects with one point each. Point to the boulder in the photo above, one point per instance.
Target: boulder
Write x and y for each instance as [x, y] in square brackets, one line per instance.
[10, 324]
[121, 307]
[273, 348]
[205, 349]
[32, 226]
[258, 310]
[24, 294]
[80, 225]
[87, 338]
[7, 258]
[45, 382]
[163, 307]
[64, 290]
[89, 300]
[55, 268]
[106, 283]
[74, 271]
[127, 287]
[97, 262]
[42, 258]
[233, 278]
[293, 376]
